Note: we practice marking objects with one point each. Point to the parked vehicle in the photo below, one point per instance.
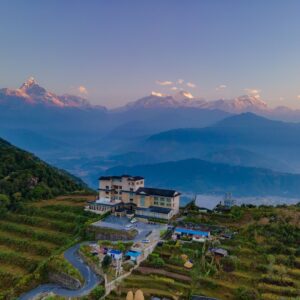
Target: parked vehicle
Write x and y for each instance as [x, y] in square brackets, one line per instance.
[146, 241]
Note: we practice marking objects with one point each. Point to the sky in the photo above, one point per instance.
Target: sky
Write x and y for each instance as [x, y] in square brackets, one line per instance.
[112, 52]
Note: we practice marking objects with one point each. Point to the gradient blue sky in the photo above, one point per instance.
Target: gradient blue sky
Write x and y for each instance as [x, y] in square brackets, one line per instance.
[118, 49]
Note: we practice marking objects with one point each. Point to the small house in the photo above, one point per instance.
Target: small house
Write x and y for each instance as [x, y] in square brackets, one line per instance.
[226, 236]
[191, 232]
[198, 238]
[115, 254]
[219, 252]
[95, 249]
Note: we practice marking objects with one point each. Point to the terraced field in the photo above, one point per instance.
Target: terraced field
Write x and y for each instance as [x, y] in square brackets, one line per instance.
[29, 236]
[171, 280]
[264, 261]
[222, 286]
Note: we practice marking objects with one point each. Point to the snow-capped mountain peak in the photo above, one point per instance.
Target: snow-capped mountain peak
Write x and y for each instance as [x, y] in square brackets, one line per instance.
[159, 100]
[184, 99]
[182, 95]
[157, 94]
[32, 93]
[245, 103]
[28, 83]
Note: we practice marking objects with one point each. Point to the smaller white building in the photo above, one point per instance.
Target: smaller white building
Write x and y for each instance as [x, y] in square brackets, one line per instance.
[103, 205]
[115, 254]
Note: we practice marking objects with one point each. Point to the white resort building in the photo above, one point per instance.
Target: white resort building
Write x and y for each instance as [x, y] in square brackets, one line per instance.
[127, 194]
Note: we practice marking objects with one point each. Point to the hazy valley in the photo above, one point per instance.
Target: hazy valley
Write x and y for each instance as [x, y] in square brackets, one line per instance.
[155, 132]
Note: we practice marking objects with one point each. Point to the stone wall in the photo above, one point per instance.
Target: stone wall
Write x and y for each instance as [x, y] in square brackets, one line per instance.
[64, 280]
[96, 269]
[108, 234]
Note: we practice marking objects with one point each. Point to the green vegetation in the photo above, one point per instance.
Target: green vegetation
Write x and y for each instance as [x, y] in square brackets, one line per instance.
[103, 233]
[32, 239]
[122, 246]
[156, 261]
[25, 177]
[58, 264]
[106, 262]
[96, 293]
[263, 261]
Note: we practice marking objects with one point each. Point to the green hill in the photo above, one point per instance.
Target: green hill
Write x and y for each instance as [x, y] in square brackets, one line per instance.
[25, 177]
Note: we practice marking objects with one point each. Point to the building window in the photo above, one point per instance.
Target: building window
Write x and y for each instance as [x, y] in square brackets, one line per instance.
[142, 201]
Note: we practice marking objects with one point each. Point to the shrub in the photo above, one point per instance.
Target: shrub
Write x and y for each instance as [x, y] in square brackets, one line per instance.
[97, 293]
[229, 263]
[262, 268]
[176, 260]
[156, 261]
[243, 293]
[128, 266]
[106, 262]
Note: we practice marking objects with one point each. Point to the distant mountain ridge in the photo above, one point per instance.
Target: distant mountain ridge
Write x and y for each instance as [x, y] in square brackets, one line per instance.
[31, 93]
[86, 139]
[245, 103]
[246, 158]
[245, 125]
[237, 105]
[199, 176]
[274, 139]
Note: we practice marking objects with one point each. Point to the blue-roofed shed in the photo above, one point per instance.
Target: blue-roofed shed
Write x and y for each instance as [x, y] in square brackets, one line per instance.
[133, 254]
[191, 232]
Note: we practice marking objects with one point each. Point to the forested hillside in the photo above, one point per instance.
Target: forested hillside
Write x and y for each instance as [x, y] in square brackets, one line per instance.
[24, 176]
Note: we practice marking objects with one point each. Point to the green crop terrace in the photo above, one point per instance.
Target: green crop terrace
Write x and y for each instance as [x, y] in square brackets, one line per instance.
[32, 235]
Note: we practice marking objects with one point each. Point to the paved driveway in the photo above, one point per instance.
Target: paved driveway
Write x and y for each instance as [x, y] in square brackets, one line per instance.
[143, 229]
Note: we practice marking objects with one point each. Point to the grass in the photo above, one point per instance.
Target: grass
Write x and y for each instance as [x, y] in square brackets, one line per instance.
[35, 233]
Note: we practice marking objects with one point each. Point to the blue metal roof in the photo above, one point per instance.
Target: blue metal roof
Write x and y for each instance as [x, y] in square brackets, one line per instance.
[192, 232]
[133, 253]
[113, 251]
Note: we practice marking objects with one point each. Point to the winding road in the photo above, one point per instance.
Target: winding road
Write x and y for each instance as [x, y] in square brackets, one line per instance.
[91, 279]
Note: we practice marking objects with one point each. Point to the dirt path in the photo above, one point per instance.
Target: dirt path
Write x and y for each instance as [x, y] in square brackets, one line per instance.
[148, 270]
